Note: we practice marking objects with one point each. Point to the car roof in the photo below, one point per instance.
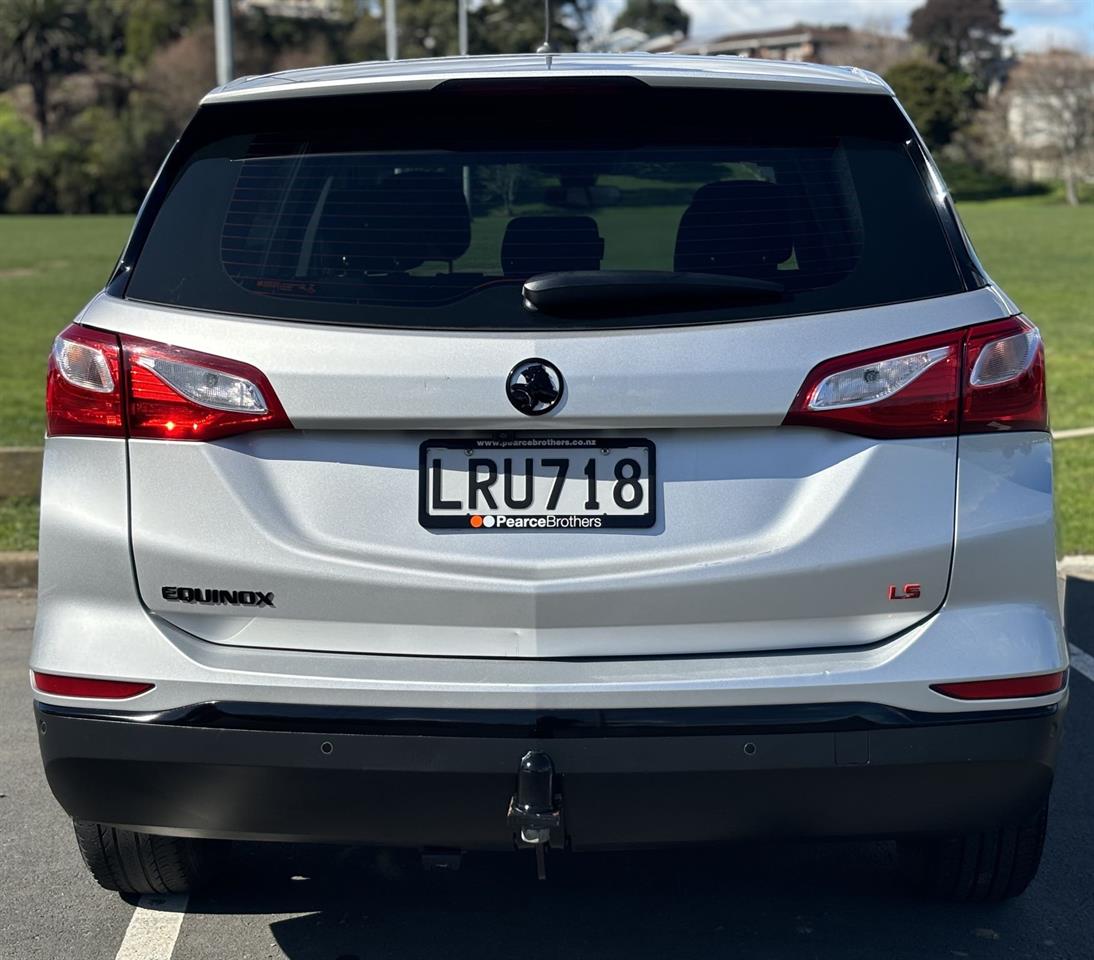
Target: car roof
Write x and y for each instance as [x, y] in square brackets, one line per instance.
[655, 69]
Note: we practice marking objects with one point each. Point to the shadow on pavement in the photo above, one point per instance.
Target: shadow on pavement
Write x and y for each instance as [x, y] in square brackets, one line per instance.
[774, 901]
[1079, 612]
[785, 900]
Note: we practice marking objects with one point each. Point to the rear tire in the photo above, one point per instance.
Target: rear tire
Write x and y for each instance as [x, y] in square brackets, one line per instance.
[978, 867]
[140, 863]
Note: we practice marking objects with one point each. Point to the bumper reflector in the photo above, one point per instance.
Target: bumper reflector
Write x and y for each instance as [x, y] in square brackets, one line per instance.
[87, 687]
[1038, 686]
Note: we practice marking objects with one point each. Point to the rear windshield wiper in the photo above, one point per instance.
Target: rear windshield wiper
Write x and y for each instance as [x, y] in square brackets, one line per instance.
[615, 293]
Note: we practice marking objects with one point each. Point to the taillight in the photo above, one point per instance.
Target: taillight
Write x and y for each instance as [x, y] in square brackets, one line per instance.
[83, 385]
[972, 380]
[177, 394]
[900, 390]
[106, 385]
[1040, 685]
[1005, 388]
[63, 686]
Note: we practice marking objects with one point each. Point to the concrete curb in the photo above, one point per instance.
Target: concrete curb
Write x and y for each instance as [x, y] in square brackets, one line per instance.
[18, 569]
[20, 471]
[1076, 566]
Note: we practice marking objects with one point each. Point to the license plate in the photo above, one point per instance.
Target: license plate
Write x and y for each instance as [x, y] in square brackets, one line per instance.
[536, 484]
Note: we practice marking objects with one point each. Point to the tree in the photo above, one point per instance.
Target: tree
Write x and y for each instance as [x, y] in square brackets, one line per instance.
[516, 26]
[1052, 113]
[41, 40]
[964, 35]
[936, 98]
[654, 18]
[428, 28]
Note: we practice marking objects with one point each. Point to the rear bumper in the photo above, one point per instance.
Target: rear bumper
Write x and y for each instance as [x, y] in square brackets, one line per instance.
[625, 778]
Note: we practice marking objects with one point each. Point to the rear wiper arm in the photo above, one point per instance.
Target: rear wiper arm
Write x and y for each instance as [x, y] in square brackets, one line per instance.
[614, 293]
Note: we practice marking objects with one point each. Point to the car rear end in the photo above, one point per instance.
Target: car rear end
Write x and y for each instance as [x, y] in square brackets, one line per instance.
[555, 460]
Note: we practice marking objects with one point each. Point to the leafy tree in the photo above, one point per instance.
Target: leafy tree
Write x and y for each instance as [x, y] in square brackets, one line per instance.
[149, 24]
[16, 145]
[962, 35]
[1052, 106]
[936, 98]
[428, 28]
[516, 26]
[365, 40]
[40, 40]
[653, 17]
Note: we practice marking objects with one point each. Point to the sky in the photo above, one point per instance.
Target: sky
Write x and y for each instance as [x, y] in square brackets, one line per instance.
[1036, 23]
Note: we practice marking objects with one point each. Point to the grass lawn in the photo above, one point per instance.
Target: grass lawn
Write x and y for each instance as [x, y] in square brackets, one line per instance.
[1039, 250]
[18, 523]
[49, 268]
[1042, 253]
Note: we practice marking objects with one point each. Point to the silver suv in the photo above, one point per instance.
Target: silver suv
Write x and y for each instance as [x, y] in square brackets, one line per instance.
[544, 452]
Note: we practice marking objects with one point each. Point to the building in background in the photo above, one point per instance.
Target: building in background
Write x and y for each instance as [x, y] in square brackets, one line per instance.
[1048, 105]
[870, 49]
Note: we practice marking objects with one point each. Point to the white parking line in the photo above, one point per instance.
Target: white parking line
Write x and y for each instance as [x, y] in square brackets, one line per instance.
[1082, 661]
[154, 928]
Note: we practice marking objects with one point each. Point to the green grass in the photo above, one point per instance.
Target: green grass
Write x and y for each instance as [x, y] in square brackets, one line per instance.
[1037, 248]
[49, 268]
[1042, 253]
[18, 523]
[1074, 465]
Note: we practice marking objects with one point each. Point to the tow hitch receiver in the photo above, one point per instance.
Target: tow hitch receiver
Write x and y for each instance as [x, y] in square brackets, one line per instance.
[535, 810]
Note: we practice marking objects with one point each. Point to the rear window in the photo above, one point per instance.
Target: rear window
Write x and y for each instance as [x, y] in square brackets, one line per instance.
[431, 209]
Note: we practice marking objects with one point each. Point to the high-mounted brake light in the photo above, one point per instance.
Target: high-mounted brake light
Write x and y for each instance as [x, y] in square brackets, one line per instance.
[62, 686]
[103, 384]
[1038, 686]
[972, 380]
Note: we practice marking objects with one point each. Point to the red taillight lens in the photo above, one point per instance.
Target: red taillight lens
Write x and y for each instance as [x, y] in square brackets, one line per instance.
[177, 394]
[973, 380]
[1005, 384]
[1038, 686]
[83, 385]
[88, 687]
[100, 384]
[907, 389]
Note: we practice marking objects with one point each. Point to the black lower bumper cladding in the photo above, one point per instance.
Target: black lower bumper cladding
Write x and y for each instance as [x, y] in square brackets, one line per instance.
[424, 778]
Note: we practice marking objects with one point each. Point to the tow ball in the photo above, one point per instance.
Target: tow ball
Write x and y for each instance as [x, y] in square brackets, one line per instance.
[535, 810]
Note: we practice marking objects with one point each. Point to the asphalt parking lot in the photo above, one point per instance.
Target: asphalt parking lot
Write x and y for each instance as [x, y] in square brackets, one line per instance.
[796, 900]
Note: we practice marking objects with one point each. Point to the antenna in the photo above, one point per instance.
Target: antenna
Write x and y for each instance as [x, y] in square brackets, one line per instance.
[546, 47]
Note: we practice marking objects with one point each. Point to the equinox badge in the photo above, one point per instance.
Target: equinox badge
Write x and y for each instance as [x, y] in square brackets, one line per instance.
[210, 595]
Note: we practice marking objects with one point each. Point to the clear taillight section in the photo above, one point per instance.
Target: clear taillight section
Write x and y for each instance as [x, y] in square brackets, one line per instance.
[973, 380]
[210, 388]
[83, 397]
[1006, 384]
[902, 390]
[103, 384]
[873, 382]
[177, 394]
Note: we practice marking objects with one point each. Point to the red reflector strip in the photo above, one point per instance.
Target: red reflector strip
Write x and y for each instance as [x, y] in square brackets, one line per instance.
[86, 687]
[1039, 686]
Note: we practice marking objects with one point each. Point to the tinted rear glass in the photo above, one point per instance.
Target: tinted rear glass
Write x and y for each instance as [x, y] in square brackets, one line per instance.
[432, 209]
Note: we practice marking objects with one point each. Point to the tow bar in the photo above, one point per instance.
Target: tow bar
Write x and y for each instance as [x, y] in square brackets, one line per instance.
[535, 810]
